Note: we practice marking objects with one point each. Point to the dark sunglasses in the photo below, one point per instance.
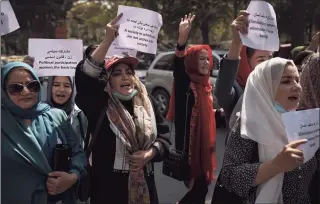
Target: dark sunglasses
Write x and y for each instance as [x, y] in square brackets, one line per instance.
[16, 89]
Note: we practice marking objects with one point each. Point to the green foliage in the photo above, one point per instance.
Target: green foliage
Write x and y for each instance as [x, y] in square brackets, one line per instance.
[87, 20]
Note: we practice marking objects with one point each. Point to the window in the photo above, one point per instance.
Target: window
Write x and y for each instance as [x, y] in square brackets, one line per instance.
[165, 63]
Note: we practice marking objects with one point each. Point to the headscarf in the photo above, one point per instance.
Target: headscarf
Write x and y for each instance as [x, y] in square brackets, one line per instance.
[244, 67]
[261, 123]
[296, 51]
[31, 113]
[89, 51]
[135, 133]
[69, 105]
[202, 156]
[310, 83]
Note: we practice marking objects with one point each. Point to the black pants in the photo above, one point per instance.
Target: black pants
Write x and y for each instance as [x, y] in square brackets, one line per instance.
[198, 193]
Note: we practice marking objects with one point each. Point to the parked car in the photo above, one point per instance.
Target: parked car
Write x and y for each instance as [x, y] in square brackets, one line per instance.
[159, 80]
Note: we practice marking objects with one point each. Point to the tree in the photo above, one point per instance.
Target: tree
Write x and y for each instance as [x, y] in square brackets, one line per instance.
[87, 20]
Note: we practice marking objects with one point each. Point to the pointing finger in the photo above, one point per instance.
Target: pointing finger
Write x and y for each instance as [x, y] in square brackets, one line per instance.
[116, 19]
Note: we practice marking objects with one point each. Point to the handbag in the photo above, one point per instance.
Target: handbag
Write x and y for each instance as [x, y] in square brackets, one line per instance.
[176, 164]
[62, 154]
[84, 189]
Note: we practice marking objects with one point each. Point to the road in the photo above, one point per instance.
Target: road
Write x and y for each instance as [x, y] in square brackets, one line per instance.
[171, 191]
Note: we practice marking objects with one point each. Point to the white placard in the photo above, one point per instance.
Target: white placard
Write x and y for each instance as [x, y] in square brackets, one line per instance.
[120, 51]
[55, 57]
[9, 22]
[262, 31]
[304, 125]
[139, 29]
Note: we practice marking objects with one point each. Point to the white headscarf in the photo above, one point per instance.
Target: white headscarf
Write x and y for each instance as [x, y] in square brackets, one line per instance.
[261, 123]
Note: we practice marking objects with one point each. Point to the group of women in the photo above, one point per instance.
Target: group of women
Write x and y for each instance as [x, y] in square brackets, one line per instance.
[128, 133]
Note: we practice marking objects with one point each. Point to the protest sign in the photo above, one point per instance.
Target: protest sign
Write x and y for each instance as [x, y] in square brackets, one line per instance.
[303, 125]
[120, 51]
[9, 22]
[55, 57]
[262, 31]
[139, 29]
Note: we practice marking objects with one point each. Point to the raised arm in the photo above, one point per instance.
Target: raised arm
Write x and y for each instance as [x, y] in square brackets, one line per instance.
[224, 90]
[89, 88]
[184, 30]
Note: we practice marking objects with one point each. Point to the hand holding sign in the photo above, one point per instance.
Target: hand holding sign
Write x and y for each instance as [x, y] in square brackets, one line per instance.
[184, 28]
[112, 29]
[262, 31]
[139, 29]
[240, 24]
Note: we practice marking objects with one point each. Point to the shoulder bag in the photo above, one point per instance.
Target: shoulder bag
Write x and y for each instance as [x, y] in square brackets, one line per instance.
[176, 164]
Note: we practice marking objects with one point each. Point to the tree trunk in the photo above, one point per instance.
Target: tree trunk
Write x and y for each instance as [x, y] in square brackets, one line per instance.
[298, 30]
[205, 30]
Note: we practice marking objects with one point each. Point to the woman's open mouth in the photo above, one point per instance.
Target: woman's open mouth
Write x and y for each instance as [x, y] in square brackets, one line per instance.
[61, 96]
[126, 86]
[294, 98]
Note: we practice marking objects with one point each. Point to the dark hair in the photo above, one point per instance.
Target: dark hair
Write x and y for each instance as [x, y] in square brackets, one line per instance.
[250, 51]
[89, 51]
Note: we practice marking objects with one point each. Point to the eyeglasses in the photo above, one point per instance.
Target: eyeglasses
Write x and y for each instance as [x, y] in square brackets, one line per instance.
[16, 89]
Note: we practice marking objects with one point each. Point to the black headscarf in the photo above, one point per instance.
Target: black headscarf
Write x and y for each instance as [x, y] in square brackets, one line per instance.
[89, 51]
[69, 105]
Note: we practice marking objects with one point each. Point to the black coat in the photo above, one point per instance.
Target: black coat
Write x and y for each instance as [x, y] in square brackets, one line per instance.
[110, 186]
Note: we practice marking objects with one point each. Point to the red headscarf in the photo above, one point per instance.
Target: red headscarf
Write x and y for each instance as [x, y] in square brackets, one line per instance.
[202, 157]
[244, 67]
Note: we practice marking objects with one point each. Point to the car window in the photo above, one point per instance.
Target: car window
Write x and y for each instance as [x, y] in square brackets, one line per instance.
[165, 63]
[141, 66]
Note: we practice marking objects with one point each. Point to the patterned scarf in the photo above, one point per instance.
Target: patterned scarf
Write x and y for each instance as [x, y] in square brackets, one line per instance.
[310, 82]
[136, 133]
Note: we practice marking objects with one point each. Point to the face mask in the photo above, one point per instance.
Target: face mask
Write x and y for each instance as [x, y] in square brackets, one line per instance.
[279, 108]
[124, 97]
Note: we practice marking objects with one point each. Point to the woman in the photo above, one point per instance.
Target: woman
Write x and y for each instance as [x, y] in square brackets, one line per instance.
[253, 166]
[61, 95]
[132, 134]
[310, 98]
[235, 68]
[191, 109]
[30, 131]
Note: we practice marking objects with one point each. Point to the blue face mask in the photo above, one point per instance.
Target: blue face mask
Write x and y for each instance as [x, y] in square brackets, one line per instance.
[124, 97]
[279, 108]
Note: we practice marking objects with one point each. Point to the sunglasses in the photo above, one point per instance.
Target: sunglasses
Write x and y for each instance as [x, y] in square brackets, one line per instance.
[16, 89]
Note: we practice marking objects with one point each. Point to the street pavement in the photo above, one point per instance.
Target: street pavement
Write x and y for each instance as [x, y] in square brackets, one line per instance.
[170, 190]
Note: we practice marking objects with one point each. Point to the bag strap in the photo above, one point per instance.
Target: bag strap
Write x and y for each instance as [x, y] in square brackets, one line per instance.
[84, 137]
[185, 128]
[96, 131]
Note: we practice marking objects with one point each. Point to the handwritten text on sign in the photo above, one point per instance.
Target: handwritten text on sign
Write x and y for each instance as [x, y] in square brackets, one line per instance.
[139, 29]
[9, 22]
[304, 125]
[55, 57]
[262, 30]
